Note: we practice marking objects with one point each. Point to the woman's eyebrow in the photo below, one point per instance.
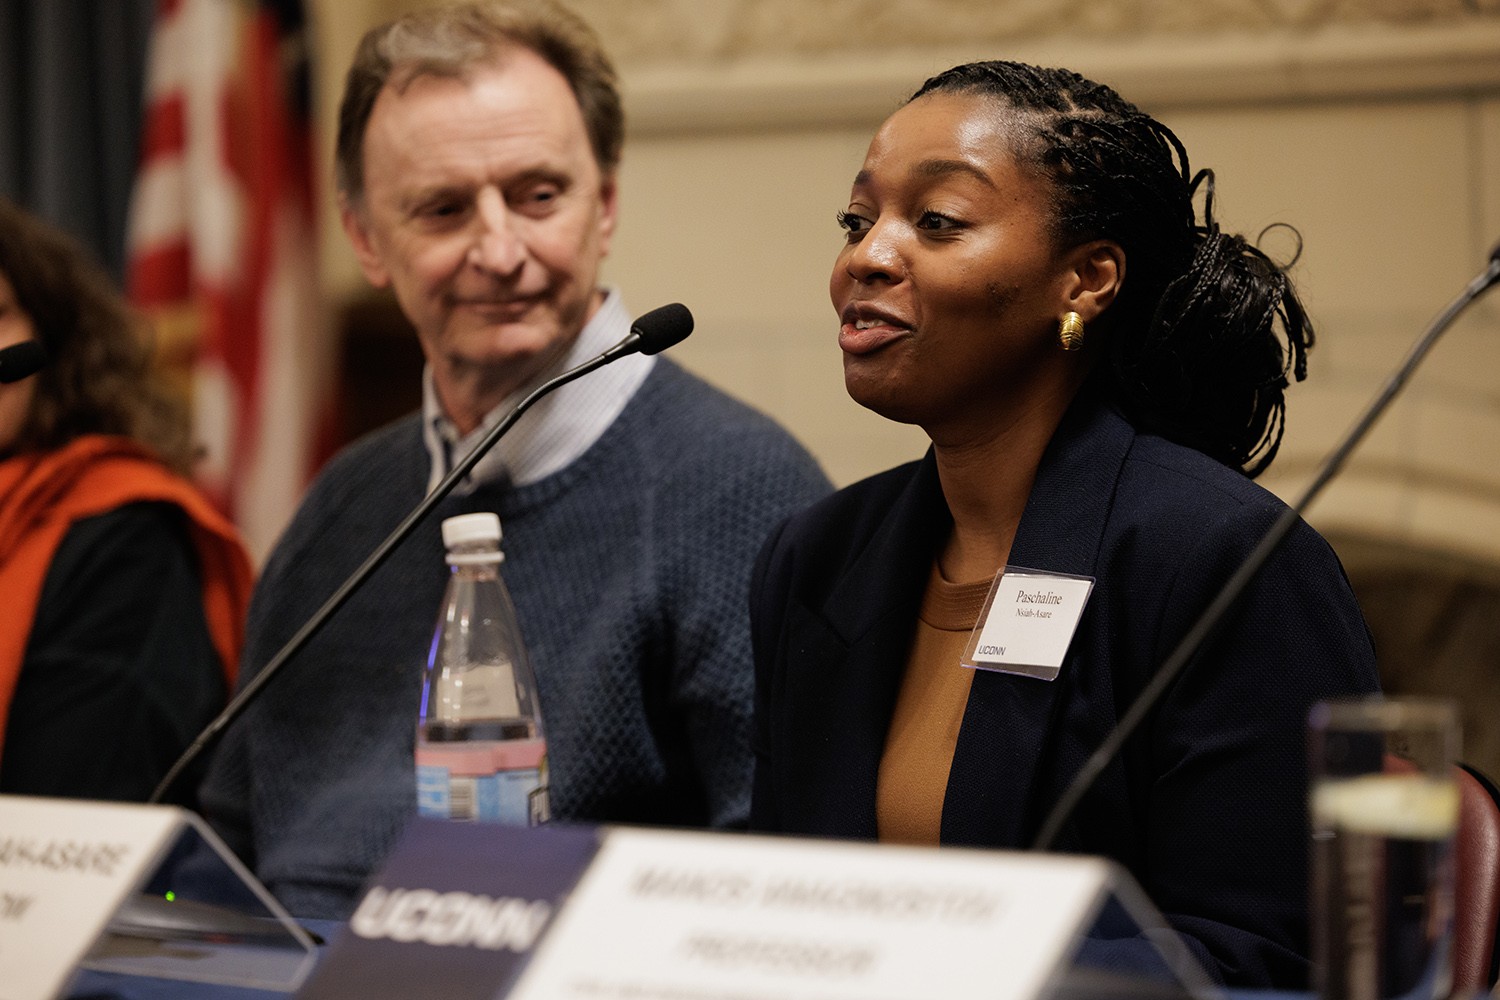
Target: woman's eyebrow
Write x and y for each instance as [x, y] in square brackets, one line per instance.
[934, 168]
[940, 168]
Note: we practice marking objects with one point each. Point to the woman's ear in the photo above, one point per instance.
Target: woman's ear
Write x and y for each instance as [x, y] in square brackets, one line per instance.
[1095, 272]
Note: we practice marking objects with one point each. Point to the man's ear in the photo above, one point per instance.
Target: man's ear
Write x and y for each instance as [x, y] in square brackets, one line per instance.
[609, 202]
[1096, 273]
[356, 223]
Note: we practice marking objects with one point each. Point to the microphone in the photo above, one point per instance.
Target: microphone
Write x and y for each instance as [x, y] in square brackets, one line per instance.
[1208, 622]
[652, 333]
[668, 325]
[22, 360]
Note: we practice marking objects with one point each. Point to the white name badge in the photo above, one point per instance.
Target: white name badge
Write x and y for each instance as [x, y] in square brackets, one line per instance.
[1028, 622]
[669, 915]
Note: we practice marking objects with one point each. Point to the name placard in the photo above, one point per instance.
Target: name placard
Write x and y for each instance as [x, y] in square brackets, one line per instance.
[65, 867]
[666, 915]
[455, 913]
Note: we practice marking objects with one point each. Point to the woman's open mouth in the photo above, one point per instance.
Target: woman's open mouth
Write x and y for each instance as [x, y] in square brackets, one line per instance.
[865, 330]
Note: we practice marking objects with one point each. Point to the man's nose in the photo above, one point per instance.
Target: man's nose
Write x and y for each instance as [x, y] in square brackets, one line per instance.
[497, 246]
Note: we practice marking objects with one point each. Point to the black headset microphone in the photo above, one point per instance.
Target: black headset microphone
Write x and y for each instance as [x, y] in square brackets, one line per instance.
[1205, 628]
[652, 333]
[21, 360]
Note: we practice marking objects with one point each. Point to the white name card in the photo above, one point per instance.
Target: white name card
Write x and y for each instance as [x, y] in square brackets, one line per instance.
[65, 867]
[663, 915]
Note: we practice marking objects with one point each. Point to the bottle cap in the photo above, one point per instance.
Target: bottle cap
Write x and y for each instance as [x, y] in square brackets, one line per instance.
[481, 527]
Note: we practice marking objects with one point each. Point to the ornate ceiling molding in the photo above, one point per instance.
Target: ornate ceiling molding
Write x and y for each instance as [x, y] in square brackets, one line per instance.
[1162, 71]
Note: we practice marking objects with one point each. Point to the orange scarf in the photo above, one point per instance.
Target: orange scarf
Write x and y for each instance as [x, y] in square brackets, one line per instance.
[43, 494]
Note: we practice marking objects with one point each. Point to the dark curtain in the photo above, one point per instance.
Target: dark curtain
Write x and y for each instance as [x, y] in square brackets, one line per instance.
[71, 82]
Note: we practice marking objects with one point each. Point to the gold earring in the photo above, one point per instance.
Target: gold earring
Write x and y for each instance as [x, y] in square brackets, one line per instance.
[1070, 331]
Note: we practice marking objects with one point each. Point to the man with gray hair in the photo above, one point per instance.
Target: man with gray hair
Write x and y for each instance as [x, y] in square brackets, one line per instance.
[476, 160]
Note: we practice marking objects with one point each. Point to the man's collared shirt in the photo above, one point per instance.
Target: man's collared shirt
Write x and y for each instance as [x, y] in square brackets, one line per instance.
[559, 428]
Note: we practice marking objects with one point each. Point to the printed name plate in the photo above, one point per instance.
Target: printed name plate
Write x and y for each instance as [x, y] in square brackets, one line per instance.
[667, 915]
[455, 912]
[65, 867]
[134, 891]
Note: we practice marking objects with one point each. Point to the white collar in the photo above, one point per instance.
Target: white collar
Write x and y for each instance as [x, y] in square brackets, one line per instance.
[559, 428]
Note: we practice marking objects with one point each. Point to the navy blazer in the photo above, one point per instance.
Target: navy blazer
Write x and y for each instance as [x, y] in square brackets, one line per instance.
[1206, 806]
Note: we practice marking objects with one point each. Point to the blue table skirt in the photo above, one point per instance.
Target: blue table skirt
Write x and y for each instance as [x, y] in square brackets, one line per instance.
[92, 985]
[113, 986]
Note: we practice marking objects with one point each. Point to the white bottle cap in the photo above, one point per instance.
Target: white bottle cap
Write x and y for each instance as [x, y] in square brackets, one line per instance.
[481, 527]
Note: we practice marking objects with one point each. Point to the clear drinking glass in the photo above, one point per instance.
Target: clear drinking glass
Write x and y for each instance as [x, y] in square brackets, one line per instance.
[1384, 807]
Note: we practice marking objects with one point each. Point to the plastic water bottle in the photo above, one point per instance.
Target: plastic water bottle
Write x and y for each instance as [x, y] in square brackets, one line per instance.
[481, 752]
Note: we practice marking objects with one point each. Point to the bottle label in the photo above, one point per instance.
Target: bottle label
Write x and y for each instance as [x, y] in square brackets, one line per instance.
[481, 691]
[505, 797]
[539, 804]
[433, 797]
[513, 795]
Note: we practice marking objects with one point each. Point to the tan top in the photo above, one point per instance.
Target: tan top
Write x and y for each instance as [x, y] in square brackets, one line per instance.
[929, 710]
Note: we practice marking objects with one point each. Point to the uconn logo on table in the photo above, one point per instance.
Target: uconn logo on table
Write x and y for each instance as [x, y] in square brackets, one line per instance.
[459, 919]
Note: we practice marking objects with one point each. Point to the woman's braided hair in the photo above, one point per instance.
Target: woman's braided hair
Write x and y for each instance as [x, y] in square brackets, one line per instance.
[1194, 350]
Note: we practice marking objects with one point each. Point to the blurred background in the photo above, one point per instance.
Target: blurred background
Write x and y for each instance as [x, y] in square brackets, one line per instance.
[189, 142]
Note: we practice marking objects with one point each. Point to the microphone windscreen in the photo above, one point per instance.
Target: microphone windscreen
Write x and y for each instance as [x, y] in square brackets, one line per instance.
[662, 327]
[21, 360]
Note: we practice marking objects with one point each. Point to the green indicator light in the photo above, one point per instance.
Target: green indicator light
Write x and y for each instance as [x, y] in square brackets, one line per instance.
[171, 897]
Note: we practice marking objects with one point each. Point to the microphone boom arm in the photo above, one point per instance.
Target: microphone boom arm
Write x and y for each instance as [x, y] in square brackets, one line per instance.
[631, 344]
[1208, 622]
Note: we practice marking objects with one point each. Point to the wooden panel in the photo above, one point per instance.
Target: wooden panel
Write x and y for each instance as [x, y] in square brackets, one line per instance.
[380, 365]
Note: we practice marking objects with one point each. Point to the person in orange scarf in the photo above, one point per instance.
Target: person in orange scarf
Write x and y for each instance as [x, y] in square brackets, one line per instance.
[122, 590]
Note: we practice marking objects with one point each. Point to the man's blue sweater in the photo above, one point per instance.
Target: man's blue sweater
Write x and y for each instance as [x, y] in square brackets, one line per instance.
[629, 570]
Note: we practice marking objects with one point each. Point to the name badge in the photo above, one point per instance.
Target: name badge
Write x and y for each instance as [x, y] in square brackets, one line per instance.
[1028, 622]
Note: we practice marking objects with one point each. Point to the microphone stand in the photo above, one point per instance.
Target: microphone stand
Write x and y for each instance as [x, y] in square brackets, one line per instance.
[1208, 622]
[236, 707]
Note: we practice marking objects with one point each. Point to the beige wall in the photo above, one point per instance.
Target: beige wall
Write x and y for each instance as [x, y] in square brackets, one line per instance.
[1373, 127]
[741, 228]
[1391, 199]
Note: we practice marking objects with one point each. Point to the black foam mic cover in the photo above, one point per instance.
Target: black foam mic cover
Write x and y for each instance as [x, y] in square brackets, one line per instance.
[21, 360]
[663, 327]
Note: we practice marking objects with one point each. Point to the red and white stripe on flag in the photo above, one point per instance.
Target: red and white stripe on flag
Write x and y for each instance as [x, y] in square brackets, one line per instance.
[222, 248]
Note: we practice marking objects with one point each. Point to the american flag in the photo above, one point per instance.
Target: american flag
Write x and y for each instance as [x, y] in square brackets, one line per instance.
[222, 251]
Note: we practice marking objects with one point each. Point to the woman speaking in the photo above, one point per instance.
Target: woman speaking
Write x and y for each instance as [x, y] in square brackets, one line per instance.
[1101, 375]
